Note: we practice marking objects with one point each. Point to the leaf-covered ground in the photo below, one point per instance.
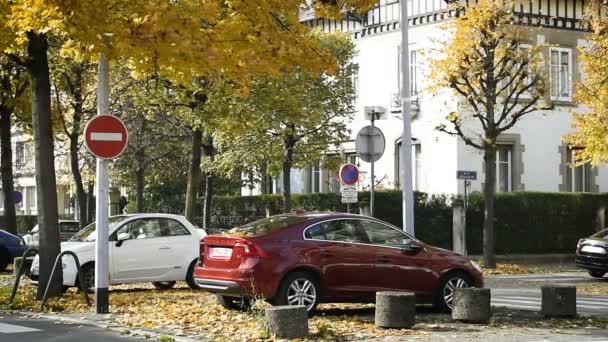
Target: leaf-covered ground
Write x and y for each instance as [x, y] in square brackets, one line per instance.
[196, 314]
[514, 269]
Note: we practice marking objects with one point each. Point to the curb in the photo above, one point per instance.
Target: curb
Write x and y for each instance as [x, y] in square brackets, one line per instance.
[104, 324]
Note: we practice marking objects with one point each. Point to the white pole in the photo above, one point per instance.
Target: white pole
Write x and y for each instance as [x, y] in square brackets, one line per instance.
[101, 205]
[406, 137]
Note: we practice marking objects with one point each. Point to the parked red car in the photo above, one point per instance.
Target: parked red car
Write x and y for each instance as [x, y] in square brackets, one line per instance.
[305, 259]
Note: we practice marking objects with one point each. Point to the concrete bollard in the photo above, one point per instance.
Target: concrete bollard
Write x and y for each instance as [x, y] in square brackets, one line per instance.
[287, 321]
[471, 305]
[558, 301]
[395, 309]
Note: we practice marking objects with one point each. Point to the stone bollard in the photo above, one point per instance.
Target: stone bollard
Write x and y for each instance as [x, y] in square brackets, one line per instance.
[395, 309]
[471, 305]
[287, 321]
[558, 301]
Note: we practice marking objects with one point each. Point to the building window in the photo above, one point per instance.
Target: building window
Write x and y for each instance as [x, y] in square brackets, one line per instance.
[20, 153]
[504, 168]
[351, 158]
[413, 75]
[418, 173]
[355, 80]
[579, 177]
[561, 74]
[417, 165]
[30, 198]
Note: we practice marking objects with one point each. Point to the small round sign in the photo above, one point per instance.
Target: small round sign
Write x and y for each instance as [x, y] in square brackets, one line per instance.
[17, 196]
[349, 174]
[106, 136]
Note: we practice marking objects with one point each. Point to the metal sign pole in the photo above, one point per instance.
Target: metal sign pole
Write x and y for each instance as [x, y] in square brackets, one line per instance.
[371, 192]
[101, 206]
[406, 137]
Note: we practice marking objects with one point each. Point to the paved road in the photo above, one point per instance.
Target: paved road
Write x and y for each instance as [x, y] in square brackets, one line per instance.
[523, 291]
[14, 328]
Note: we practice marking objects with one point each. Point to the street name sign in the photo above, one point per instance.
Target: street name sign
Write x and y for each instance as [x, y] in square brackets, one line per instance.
[467, 175]
[106, 136]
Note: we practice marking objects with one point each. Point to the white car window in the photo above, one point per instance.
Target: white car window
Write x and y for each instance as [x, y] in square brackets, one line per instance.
[141, 229]
[174, 228]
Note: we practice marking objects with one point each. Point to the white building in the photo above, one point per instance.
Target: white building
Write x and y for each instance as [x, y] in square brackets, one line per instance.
[531, 155]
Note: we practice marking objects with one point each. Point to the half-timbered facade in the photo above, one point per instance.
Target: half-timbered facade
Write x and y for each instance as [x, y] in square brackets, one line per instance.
[531, 155]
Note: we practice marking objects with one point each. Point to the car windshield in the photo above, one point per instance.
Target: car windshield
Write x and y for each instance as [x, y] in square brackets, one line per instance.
[603, 234]
[265, 226]
[87, 234]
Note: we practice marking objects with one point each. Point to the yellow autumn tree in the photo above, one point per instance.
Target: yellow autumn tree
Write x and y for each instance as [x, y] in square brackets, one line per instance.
[176, 38]
[498, 79]
[590, 140]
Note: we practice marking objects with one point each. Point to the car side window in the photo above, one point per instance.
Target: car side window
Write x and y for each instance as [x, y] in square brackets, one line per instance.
[381, 234]
[140, 229]
[69, 227]
[315, 232]
[344, 231]
[174, 228]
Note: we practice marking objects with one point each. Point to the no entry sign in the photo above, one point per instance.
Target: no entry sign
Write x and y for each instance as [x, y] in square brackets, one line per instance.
[106, 136]
[349, 174]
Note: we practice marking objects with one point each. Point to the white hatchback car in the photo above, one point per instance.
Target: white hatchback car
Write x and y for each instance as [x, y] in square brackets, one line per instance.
[157, 248]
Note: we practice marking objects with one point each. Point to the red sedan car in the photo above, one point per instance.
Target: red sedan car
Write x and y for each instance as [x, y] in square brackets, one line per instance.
[306, 259]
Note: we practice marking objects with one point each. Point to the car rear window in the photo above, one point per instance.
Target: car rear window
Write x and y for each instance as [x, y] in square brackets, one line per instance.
[265, 226]
[601, 234]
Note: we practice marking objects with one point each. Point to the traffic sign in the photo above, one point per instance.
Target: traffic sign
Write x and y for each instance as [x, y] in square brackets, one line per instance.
[106, 136]
[349, 174]
[370, 144]
[467, 175]
[17, 197]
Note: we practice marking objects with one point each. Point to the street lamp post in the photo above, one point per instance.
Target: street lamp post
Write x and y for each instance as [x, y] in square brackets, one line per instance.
[406, 136]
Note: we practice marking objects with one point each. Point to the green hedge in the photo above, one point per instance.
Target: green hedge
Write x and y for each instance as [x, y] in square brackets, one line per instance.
[526, 222]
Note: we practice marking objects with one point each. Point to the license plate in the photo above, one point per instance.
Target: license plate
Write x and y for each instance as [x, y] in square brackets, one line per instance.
[593, 249]
[220, 252]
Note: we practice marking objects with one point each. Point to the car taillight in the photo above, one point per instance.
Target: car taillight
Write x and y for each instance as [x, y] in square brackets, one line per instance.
[201, 252]
[250, 249]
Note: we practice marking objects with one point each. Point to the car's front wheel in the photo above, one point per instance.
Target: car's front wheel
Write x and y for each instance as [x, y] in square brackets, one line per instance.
[163, 285]
[87, 272]
[597, 274]
[299, 288]
[444, 296]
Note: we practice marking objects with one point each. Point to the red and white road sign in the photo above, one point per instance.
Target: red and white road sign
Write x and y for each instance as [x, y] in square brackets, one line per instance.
[106, 136]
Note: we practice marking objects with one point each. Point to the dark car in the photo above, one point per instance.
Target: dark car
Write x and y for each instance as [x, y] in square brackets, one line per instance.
[11, 246]
[592, 254]
[306, 259]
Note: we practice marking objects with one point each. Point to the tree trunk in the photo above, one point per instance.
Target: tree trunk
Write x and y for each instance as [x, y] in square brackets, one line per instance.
[6, 171]
[208, 200]
[81, 195]
[194, 175]
[287, 165]
[90, 202]
[209, 150]
[140, 174]
[489, 192]
[46, 186]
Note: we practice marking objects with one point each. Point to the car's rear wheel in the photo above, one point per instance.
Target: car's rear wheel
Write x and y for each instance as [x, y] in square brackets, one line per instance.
[597, 274]
[299, 288]
[445, 293]
[234, 303]
[190, 276]
[4, 259]
[163, 285]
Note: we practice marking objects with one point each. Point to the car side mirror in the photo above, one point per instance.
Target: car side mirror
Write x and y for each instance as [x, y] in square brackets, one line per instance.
[121, 238]
[411, 248]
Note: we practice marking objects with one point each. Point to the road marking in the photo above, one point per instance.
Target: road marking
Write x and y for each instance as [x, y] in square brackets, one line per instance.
[98, 136]
[13, 329]
[536, 301]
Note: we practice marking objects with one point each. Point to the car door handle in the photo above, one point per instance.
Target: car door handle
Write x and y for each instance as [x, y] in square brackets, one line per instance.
[165, 247]
[384, 259]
